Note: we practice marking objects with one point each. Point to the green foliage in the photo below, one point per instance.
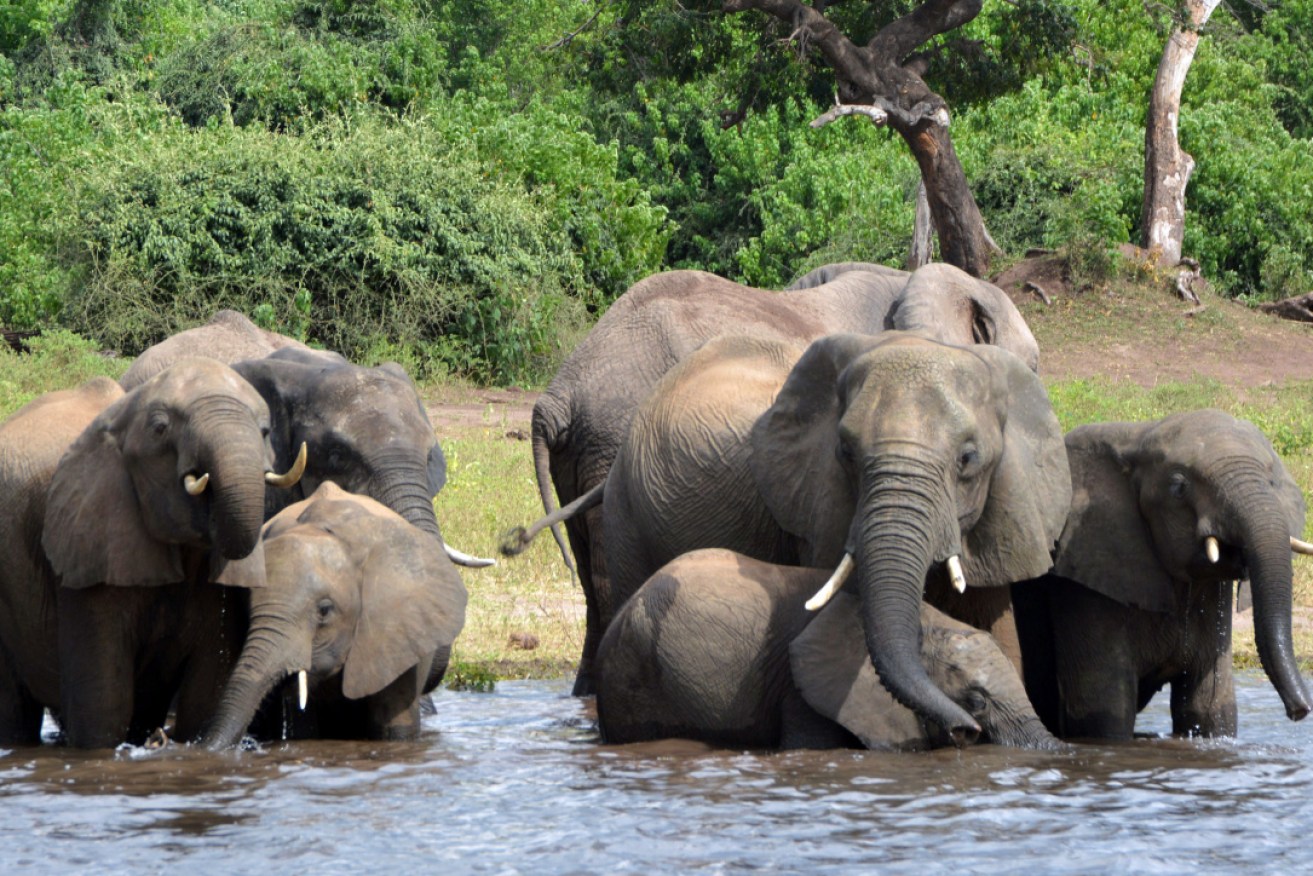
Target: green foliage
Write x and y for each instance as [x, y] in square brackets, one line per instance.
[383, 232]
[56, 359]
[474, 677]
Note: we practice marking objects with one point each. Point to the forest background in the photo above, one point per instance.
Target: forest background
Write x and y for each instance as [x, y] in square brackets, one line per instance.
[464, 186]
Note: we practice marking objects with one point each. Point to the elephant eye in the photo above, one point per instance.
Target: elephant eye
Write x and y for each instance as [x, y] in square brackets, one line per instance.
[325, 608]
[843, 451]
[1178, 485]
[159, 423]
[968, 461]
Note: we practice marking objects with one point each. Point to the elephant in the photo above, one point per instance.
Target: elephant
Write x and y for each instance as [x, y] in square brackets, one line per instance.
[228, 337]
[719, 648]
[125, 513]
[581, 418]
[1165, 516]
[366, 430]
[357, 602]
[907, 461]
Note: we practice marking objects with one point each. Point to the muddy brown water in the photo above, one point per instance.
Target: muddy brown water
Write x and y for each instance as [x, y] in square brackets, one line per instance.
[515, 781]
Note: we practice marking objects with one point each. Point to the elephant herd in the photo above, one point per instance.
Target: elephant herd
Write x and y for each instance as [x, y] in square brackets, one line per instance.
[843, 514]
[215, 527]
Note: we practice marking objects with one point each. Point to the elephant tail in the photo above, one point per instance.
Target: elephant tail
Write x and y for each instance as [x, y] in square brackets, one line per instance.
[542, 470]
[517, 539]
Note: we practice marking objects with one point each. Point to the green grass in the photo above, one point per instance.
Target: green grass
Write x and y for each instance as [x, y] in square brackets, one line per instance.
[491, 488]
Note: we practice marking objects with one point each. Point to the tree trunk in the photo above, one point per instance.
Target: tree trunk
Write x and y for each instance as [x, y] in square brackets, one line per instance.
[1167, 167]
[878, 81]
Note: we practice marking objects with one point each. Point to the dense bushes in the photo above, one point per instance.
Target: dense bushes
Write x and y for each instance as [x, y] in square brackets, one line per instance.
[462, 184]
[359, 235]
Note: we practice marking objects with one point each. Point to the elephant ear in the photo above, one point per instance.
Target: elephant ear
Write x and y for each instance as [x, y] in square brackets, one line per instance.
[1106, 545]
[412, 603]
[94, 532]
[833, 672]
[793, 450]
[1030, 492]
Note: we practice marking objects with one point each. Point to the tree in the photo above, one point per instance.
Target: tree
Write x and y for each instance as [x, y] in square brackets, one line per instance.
[1167, 167]
[882, 81]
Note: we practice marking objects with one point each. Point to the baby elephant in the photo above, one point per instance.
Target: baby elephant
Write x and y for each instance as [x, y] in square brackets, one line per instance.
[358, 606]
[719, 647]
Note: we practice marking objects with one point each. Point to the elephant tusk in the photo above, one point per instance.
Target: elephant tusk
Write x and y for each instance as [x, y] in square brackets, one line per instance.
[955, 574]
[831, 587]
[289, 479]
[1212, 549]
[461, 558]
[195, 485]
[1301, 547]
[302, 689]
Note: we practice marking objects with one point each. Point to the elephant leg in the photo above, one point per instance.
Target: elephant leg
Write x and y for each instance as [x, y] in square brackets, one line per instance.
[1035, 631]
[96, 669]
[217, 618]
[1096, 663]
[394, 711]
[1203, 697]
[20, 714]
[590, 561]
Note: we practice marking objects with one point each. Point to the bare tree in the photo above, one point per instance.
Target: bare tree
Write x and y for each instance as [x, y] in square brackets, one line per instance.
[1167, 167]
[882, 81]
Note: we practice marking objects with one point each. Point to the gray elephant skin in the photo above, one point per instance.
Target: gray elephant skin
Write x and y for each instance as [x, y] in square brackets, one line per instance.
[359, 600]
[894, 450]
[121, 513]
[1166, 516]
[583, 415]
[228, 337]
[719, 647]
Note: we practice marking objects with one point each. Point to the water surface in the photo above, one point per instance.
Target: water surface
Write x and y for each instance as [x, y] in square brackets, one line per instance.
[515, 782]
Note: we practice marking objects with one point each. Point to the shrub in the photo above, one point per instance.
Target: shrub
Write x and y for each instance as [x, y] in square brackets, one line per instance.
[386, 233]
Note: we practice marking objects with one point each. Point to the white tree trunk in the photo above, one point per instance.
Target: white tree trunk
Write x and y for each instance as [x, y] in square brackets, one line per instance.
[1167, 167]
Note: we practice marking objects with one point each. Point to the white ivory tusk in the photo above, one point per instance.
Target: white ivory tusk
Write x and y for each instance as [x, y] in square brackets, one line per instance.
[1301, 547]
[461, 558]
[290, 478]
[1212, 550]
[826, 593]
[302, 689]
[195, 485]
[955, 574]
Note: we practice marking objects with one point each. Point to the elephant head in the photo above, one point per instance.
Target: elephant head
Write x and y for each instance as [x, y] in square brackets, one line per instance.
[913, 457]
[1197, 497]
[948, 304]
[353, 592]
[179, 462]
[365, 428]
[830, 669]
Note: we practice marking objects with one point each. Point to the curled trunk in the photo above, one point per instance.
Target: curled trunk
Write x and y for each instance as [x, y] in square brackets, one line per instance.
[236, 485]
[905, 519]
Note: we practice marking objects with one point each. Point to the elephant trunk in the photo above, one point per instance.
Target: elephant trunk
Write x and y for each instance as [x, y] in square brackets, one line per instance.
[271, 652]
[901, 528]
[236, 465]
[1266, 539]
[403, 486]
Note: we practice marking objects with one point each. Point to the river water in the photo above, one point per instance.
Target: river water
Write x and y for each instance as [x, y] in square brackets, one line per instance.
[515, 781]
